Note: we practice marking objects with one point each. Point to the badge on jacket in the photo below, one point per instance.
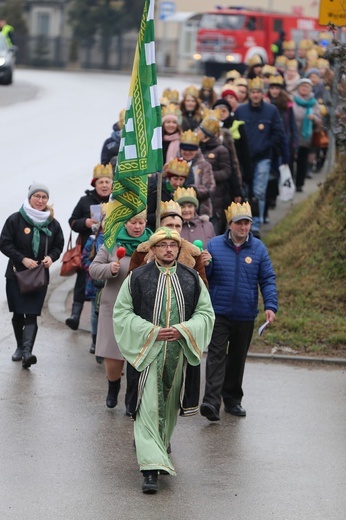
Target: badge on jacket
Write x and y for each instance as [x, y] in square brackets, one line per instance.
[27, 231]
[211, 156]
[261, 126]
[248, 259]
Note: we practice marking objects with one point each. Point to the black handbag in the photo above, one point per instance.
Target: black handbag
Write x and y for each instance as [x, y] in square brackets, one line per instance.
[32, 280]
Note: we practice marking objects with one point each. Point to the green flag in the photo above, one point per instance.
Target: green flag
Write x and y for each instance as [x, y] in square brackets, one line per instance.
[140, 151]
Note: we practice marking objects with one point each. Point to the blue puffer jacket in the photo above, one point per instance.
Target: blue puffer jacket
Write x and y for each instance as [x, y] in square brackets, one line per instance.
[234, 277]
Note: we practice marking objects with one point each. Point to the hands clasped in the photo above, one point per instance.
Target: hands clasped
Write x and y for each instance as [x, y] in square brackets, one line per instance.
[168, 334]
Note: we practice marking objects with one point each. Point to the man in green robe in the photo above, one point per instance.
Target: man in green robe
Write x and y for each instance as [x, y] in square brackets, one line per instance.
[163, 319]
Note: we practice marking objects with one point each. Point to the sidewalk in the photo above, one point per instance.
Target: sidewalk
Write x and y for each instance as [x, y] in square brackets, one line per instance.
[60, 300]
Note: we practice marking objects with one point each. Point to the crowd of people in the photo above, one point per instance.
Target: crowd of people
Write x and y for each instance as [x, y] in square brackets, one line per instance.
[186, 276]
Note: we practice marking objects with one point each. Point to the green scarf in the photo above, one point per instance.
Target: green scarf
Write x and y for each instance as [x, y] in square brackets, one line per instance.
[307, 123]
[36, 231]
[131, 243]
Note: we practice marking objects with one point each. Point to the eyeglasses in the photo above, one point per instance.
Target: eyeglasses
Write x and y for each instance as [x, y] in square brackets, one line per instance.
[42, 197]
[172, 245]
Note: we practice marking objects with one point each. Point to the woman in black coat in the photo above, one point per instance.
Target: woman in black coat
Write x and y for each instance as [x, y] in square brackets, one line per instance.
[23, 239]
[81, 222]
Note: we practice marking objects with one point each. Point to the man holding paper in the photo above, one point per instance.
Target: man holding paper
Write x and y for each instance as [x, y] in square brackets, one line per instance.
[240, 263]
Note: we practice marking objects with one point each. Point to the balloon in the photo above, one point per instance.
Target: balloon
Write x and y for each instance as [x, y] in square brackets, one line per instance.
[199, 244]
[121, 252]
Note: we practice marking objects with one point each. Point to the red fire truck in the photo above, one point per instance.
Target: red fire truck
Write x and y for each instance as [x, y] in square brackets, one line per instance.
[227, 38]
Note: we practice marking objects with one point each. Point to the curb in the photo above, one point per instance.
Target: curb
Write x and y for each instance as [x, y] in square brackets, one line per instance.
[300, 359]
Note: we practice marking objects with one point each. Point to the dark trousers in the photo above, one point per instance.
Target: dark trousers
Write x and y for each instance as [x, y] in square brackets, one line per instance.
[226, 361]
[302, 165]
[79, 287]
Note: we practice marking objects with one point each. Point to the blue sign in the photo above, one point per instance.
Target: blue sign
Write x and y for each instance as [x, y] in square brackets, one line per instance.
[166, 9]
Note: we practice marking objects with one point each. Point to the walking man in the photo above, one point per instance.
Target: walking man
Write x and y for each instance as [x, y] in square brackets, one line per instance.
[240, 263]
[163, 319]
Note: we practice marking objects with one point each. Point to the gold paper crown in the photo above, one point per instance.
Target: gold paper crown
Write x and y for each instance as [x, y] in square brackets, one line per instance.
[185, 195]
[101, 170]
[292, 64]
[280, 60]
[169, 207]
[164, 102]
[170, 110]
[323, 63]
[312, 53]
[241, 81]
[232, 74]
[312, 63]
[211, 122]
[191, 90]
[172, 95]
[255, 60]
[189, 137]
[305, 44]
[289, 45]
[208, 82]
[121, 118]
[141, 215]
[276, 80]
[177, 167]
[321, 50]
[237, 211]
[268, 69]
[255, 84]
[212, 114]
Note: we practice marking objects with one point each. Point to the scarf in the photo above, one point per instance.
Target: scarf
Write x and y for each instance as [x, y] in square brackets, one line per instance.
[131, 243]
[174, 145]
[39, 220]
[307, 123]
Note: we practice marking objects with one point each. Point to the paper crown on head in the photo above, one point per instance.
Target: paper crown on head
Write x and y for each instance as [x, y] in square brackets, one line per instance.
[208, 82]
[121, 120]
[280, 61]
[182, 195]
[141, 215]
[323, 63]
[191, 90]
[292, 64]
[164, 102]
[321, 50]
[232, 74]
[172, 95]
[268, 69]
[255, 83]
[169, 209]
[242, 82]
[164, 233]
[305, 44]
[189, 140]
[210, 125]
[255, 60]
[276, 80]
[170, 110]
[289, 45]
[237, 211]
[178, 167]
[102, 170]
[312, 53]
[312, 63]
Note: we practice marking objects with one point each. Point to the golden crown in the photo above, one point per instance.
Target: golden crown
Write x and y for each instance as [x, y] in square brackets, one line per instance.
[323, 63]
[191, 90]
[289, 45]
[172, 95]
[177, 167]
[305, 44]
[237, 211]
[241, 82]
[101, 170]
[312, 63]
[185, 193]
[208, 82]
[189, 137]
[292, 64]
[312, 53]
[164, 102]
[170, 110]
[321, 50]
[255, 84]
[169, 207]
[232, 74]
[212, 114]
[276, 80]
[255, 60]
[280, 60]
[268, 69]
[211, 124]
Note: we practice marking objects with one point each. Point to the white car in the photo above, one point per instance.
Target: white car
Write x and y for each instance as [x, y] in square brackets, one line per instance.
[7, 61]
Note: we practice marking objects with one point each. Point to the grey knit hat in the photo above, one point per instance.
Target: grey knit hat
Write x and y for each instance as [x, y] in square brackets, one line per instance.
[37, 186]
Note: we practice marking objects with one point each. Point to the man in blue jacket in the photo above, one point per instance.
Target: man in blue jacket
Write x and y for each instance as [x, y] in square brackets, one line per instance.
[265, 133]
[240, 263]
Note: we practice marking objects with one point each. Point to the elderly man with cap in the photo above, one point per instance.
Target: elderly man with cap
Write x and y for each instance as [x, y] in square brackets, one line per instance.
[163, 319]
[265, 133]
[240, 263]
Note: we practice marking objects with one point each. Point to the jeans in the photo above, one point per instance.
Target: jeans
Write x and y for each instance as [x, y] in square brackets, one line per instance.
[259, 188]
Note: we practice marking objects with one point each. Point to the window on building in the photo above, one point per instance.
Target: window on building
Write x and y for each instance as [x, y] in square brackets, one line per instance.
[43, 20]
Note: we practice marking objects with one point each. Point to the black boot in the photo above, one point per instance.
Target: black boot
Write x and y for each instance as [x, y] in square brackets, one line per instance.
[73, 320]
[93, 344]
[18, 324]
[150, 482]
[29, 336]
[113, 391]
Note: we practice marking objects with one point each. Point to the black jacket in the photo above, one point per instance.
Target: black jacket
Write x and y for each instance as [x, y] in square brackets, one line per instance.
[82, 211]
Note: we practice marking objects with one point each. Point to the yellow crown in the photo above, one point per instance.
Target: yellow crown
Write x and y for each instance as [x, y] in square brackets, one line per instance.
[312, 53]
[241, 82]
[172, 95]
[321, 50]
[232, 74]
[208, 82]
[211, 124]
[255, 84]
[276, 80]
[189, 137]
[312, 63]
[268, 69]
[101, 170]
[169, 207]
[177, 167]
[280, 61]
[323, 63]
[292, 64]
[185, 195]
[191, 91]
[237, 211]
[212, 114]
[255, 60]
[305, 44]
[164, 102]
[170, 110]
[289, 45]
[121, 118]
